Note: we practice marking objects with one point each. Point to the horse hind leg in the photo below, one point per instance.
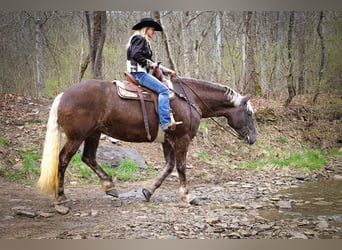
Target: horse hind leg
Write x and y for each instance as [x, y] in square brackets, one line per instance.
[89, 157]
[170, 164]
[65, 156]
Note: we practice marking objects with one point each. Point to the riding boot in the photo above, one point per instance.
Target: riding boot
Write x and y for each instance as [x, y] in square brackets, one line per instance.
[172, 125]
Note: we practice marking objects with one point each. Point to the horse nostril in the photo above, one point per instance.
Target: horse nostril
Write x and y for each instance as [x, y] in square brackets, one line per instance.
[247, 139]
[252, 140]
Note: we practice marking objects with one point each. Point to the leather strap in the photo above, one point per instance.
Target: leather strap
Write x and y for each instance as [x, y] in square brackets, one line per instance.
[142, 102]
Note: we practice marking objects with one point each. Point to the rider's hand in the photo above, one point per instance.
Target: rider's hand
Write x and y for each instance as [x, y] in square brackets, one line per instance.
[154, 65]
[171, 72]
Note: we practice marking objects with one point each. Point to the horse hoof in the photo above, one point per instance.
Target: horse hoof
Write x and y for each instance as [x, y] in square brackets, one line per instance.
[195, 202]
[147, 194]
[113, 192]
[62, 200]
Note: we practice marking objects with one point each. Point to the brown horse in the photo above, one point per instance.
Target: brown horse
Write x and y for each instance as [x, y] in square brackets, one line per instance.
[92, 107]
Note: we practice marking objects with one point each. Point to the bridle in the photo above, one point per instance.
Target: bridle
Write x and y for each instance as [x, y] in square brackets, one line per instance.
[228, 129]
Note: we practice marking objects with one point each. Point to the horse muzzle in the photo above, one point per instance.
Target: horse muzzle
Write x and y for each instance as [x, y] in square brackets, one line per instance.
[249, 139]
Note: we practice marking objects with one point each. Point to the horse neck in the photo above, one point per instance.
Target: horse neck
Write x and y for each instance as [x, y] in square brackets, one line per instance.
[212, 98]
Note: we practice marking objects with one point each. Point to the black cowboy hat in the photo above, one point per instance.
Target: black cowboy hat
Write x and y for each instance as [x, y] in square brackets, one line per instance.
[147, 22]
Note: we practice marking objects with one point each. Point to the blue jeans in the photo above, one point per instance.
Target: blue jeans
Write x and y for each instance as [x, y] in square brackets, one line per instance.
[155, 85]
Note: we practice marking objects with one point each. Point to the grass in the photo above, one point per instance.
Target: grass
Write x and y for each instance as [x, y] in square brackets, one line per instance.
[3, 142]
[127, 170]
[203, 156]
[31, 157]
[311, 159]
[81, 170]
[29, 168]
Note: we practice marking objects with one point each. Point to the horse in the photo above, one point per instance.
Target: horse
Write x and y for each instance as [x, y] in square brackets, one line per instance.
[93, 107]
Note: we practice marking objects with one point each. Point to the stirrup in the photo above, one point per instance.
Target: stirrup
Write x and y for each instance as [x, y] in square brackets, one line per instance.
[172, 125]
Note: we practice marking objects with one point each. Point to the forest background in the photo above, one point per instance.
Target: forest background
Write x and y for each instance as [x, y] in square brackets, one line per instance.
[265, 53]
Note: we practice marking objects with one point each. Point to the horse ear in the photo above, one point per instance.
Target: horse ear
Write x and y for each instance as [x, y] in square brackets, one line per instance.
[246, 98]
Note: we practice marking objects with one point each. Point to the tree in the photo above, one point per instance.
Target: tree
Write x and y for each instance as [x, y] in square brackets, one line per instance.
[290, 87]
[165, 37]
[250, 81]
[322, 61]
[96, 38]
[39, 54]
[279, 48]
[187, 44]
[223, 46]
[218, 43]
[301, 52]
[263, 57]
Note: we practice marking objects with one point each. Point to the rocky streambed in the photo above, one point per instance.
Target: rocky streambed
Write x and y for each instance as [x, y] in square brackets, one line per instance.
[249, 204]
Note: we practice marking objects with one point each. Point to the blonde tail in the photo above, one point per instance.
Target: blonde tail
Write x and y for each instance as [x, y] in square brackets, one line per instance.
[48, 181]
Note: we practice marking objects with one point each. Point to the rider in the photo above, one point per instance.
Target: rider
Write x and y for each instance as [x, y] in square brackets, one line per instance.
[139, 62]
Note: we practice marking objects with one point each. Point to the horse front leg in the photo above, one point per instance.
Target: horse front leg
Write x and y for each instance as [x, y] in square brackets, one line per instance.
[170, 164]
[181, 150]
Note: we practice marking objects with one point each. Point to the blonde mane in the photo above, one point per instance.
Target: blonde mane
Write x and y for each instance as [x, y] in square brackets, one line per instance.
[236, 98]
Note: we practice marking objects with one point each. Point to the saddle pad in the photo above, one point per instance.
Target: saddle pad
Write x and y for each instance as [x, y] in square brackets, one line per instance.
[127, 94]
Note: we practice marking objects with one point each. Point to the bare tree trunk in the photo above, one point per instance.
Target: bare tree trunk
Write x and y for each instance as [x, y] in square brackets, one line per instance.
[84, 60]
[262, 48]
[322, 64]
[218, 47]
[279, 42]
[83, 66]
[100, 21]
[250, 83]
[301, 52]
[165, 37]
[39, 55]
[96, 41]
[243, 59]
[290, 87]
[187, 45]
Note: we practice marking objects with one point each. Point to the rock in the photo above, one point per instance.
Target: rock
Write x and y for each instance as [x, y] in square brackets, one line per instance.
[45, 215]
[213, 220]
[300, 177]
[232, 183]
[284, 204]
[337, 177]
[298, 235]
[25, 213]
[20, 208]
[323, 203]
[255, 205]
[310, 232]
[62, 209]
[249, 186]
[8, 217]
[200, 225]
[133, 193]
[263, 227]
[114, 155]
[238, 206]
[94, 212]
[321, 225]
[84, 214]
[234, 235]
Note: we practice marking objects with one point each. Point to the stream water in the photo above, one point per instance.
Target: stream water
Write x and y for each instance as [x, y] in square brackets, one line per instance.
[318, 201]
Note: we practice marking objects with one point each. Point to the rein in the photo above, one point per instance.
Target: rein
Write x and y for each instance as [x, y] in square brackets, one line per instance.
[228, 129]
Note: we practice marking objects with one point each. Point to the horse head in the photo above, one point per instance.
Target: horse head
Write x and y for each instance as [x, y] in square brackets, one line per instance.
[240, 118]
